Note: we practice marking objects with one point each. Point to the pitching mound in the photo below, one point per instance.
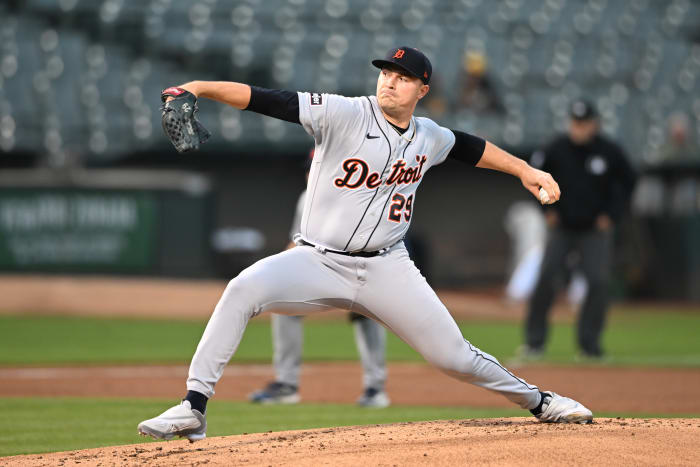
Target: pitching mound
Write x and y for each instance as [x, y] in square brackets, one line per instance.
[511, 441]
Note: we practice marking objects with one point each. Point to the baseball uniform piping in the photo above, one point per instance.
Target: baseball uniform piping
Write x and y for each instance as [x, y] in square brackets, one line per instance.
[479, 354]
[377, 189]
[381, 216]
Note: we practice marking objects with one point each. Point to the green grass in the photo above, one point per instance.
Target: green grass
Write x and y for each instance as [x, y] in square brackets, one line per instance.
[633, 337]
[57, 340]
[58, 424]
[663, 338]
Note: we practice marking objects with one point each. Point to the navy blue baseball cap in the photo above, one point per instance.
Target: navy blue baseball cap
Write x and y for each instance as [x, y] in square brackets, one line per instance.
[409, 59]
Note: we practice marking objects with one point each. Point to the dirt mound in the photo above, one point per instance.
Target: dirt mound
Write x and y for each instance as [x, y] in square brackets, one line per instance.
[514, 441]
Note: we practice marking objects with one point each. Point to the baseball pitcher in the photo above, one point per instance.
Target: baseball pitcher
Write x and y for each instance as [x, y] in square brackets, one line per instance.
[287, 340]
[371, 154]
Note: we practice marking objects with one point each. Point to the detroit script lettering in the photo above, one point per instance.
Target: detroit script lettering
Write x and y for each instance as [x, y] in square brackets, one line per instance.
[357, 173]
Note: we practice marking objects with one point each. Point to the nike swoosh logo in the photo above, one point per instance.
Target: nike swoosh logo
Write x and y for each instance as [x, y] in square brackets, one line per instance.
[183, 426]
[371, 137]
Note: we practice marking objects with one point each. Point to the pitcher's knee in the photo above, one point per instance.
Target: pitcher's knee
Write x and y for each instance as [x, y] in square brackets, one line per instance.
[457, 368]
[242, 293]
[455, 362]
[236, 286]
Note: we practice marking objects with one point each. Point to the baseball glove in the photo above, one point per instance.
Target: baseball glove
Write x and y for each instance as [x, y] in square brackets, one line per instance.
[179, 120]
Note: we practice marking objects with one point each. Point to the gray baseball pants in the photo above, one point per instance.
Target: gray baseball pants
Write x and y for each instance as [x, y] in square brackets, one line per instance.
[388, 288]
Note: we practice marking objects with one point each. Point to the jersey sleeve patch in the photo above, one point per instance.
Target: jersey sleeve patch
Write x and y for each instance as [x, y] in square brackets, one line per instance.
[316, 98]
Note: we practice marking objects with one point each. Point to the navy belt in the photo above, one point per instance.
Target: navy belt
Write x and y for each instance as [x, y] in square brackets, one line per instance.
[361, 254]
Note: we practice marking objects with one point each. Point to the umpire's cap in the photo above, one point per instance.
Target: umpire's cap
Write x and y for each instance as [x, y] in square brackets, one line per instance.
[582, 109]
[409, 59]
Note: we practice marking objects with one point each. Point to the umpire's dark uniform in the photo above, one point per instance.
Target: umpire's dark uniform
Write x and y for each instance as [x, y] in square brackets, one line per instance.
[596, 181]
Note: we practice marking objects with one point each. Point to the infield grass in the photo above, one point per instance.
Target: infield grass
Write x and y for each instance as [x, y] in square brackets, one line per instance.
[61, 424]
[661, 338]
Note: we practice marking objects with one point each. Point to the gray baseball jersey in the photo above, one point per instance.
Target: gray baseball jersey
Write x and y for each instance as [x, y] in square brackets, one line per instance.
[364, 175]
[288, 337]
[360, 196]
[298, 213]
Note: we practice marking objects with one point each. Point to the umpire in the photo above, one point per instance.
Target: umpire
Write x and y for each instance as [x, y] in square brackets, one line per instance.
[596, 182]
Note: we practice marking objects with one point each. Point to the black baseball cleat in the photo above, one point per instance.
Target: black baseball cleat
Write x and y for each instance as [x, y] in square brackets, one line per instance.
[374, 398]
[276, 393]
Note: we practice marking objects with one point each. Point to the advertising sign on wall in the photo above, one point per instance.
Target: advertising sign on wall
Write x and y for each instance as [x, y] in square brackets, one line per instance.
[44, 229]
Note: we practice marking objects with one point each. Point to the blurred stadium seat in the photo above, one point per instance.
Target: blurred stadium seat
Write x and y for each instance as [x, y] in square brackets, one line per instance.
[83, 76]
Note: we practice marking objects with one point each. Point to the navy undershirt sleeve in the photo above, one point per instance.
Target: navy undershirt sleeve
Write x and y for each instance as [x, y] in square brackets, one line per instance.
[275, 103]
[467, 148]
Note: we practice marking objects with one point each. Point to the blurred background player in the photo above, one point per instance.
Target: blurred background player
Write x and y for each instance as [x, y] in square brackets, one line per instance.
[526, 226]
[288, 337]
[596, 182]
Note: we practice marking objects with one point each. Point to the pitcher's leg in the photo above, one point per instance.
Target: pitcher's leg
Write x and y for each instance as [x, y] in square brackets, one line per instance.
[370, 338]
[400, 297]
[287, 341]
[296, 277]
